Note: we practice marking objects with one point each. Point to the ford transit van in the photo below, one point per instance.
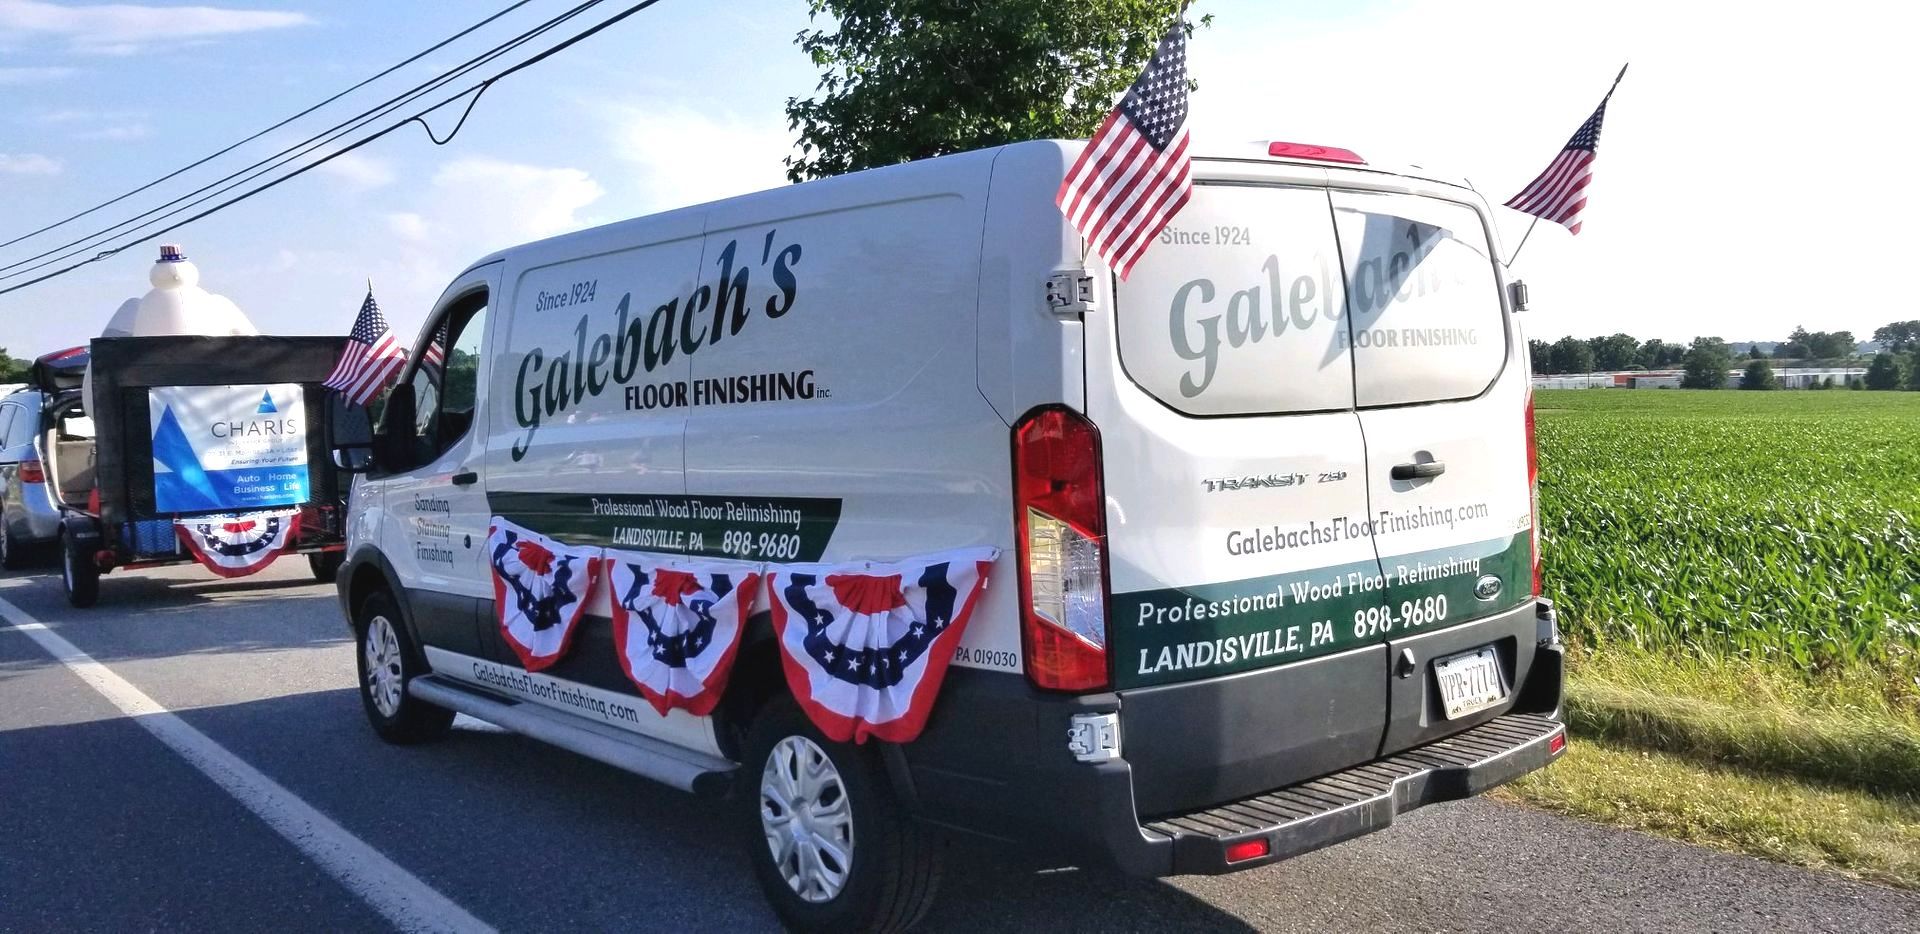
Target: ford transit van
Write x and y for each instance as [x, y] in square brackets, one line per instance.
[1254, 527]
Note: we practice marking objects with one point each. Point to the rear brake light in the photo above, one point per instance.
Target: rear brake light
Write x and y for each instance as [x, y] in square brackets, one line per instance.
[1060, 530]
[1247, 849]
[1317, 153]
[1533, 493]
[32, 472]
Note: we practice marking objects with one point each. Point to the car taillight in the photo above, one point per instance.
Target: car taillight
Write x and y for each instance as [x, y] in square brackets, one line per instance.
[1060, 529]
[1533, 491]
[32, 472]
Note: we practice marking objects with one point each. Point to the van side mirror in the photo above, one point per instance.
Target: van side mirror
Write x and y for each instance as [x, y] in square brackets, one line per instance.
[349, 434]
[393, 449]
[1517, 294]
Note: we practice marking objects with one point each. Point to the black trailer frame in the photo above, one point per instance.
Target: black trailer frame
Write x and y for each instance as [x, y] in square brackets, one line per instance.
[118, 527]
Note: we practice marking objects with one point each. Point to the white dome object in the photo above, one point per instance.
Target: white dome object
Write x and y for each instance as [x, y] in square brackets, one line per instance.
[178, 305]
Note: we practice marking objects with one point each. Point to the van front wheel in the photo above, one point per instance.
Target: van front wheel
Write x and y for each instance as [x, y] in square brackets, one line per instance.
[832, 846]
[386, 665]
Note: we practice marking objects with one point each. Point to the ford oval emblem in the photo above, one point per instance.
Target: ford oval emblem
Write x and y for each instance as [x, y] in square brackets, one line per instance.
[1487, 588]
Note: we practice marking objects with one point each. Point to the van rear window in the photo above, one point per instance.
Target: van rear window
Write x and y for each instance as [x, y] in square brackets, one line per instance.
[1426, 318]
[1238, 309]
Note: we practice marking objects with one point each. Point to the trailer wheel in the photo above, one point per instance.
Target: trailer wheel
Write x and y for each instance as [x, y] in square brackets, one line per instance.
[78, 573]
[832, 845]
[325, 565]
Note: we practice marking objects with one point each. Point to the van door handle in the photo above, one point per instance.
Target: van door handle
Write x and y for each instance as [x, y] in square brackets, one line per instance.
[469, 478]
[1421, 471]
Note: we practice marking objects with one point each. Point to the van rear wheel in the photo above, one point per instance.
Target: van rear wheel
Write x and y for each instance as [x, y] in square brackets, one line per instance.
[832, 846]
[387, 662]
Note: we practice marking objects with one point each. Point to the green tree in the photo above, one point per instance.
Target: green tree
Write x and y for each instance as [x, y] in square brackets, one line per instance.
[1615, 352]
[911, 79]
[12, 368]
[1885, 372]
[1900, 336]
[1541, 353]
[1658, 353]
[1753, 353]
[1572, 355]
[1913, 370]
[1759, 375]
[1707, 363]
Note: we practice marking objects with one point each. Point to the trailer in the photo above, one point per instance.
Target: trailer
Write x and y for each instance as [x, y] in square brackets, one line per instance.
[181, 449]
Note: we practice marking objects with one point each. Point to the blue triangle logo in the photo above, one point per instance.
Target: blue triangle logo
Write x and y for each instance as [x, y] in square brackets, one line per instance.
[266, 404]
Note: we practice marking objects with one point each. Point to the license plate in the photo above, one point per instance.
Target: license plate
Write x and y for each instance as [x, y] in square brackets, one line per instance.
[1470, 682]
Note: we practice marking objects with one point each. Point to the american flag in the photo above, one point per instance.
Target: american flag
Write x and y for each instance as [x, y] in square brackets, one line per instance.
[1134, 175]
[435, 353]
[1559, 194]
[372, 357]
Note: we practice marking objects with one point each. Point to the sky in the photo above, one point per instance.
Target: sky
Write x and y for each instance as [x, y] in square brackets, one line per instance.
[1729, 196]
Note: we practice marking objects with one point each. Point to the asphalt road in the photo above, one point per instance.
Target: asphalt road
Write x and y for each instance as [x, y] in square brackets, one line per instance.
[105, 827]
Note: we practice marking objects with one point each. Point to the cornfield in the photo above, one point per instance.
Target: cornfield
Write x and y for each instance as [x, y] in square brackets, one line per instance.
[1775, 525]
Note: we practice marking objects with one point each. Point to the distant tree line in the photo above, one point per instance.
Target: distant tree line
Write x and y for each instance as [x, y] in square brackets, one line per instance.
[1706, 361]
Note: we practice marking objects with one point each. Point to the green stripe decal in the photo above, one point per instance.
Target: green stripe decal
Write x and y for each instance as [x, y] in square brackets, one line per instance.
[1207, 630]
[754, 528]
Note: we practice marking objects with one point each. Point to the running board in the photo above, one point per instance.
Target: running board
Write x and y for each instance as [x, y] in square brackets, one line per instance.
[643, 756]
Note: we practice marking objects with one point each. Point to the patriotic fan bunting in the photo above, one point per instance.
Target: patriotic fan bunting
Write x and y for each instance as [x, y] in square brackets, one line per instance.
[540, 590]
[676, 626]
[865, 646]
[236, 546]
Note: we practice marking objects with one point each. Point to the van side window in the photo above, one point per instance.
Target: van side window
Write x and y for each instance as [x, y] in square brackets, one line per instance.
[1428, 324]
[445, 384]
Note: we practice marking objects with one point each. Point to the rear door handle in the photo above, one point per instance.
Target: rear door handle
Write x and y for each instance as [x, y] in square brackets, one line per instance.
[469, 478]
[1421, 471]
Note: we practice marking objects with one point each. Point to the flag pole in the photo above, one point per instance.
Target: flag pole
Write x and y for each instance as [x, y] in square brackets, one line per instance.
[1515, 256]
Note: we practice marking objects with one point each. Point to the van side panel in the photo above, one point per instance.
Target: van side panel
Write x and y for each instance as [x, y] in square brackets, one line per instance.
[848, 424]
[1028, 355]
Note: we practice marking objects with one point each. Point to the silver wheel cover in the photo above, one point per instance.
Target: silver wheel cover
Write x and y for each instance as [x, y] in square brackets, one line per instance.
[382, 650]
[807, 819]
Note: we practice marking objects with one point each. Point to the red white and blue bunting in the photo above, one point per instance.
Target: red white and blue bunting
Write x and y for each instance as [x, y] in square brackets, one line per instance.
[677, 626]
[239, 545]
[540, 590]
[865, 646]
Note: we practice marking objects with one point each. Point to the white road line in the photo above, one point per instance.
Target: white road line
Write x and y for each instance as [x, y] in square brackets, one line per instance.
[399, 896]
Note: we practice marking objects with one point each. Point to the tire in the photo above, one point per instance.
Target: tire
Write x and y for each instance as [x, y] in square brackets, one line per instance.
[890, 863]
[388, 660]
[78, 574]
[325, 564]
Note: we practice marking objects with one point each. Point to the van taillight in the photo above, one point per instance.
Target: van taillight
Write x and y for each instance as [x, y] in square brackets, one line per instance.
[32, 472]
[1060, 528]
[1533, 491]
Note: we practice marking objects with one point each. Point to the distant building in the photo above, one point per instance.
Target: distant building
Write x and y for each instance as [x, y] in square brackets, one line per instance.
[1789, 377]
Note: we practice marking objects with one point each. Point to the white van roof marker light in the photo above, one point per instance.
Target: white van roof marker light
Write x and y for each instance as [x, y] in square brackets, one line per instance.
[1316, 153]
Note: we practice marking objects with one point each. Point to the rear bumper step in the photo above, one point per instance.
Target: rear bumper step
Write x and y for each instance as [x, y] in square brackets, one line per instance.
[1357, 801]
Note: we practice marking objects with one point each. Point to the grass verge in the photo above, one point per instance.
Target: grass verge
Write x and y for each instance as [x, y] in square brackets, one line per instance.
[1869, 836]
[1815, 770]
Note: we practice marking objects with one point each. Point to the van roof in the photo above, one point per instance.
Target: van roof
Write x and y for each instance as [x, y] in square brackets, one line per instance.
[958, 162]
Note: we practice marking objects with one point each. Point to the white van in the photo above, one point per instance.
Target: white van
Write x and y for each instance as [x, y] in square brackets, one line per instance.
[1264, 511]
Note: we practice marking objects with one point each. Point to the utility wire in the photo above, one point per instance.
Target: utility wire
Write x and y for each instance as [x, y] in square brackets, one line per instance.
[209, 158]
[543, 56]
[297, 150]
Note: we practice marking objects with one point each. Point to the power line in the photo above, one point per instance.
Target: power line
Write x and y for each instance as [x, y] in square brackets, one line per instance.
[209, 158]
[275, 161]
[543, 56]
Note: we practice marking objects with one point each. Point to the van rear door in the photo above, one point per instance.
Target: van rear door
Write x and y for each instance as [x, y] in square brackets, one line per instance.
[1222, 386]
[1441, 385]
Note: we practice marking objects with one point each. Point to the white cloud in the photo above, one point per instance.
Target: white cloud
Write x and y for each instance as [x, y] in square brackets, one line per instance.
[509, 201]
[121, 28]
[23, 75]
[27, 163]
[408, 226]
[686, 157]
[359, 171]
[119, 132]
